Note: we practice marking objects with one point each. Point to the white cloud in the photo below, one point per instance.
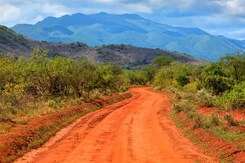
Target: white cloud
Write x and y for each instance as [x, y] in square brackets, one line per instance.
[9, 12]
[54, 9]
[104, 1]
[14, 12]
[232, 7]
[179, 4]
[138, 7]
[213, 15]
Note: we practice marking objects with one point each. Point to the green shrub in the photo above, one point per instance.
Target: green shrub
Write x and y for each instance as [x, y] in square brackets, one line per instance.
[53, 104]
[191, 87]
[198, 119]
[230, 119]
[188, 96]
[235, 99]
[184, 105]
[161, 60]
[191, 114]
[182, 79]
[95, 94]
[177, 108]
[158, 88]
[215, 121]
[177, 96]
[204, 98]
[13, 93]
[215, 79]
[241, 123]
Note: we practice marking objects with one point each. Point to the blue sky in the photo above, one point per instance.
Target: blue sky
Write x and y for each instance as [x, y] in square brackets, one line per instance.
[226, 17]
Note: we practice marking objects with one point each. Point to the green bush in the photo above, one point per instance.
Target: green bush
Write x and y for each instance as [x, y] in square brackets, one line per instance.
[215, 79]
[174, 75]
[204, 98]
[234, 99]
[184, 105]
[234, 65]
[230, 119]
[161, 60]
[182, 80]
[177, 108]
[215, 121]
[53, 104]
[198, 119]
[191, 114]
[39, 79]
[191, 87]
[177, 96]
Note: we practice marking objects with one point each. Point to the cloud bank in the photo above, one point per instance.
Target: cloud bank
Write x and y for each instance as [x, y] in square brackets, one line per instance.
[226, 17]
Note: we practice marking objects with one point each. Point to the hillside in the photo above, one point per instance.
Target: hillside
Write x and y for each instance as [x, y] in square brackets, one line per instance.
[126, 55]
[102, 28]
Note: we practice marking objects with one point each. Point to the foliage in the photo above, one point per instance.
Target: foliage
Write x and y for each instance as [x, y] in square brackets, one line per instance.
[204, 98]
[184, 105]
[161, 61]
[219, 84]
[215, 79]
[214, 120]
[137, 77]
[230, 119]
[26, 82]
[234, 65]
[175, 75]
[234, 99]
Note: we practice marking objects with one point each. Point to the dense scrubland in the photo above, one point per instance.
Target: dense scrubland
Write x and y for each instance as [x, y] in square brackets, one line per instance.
[216, 88]
[220, 84]
[39, 85]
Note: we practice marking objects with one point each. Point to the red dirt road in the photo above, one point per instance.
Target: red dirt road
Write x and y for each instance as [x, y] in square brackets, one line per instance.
[130, 131]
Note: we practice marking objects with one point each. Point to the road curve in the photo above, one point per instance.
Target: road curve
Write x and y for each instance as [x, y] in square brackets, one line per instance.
[130, 131]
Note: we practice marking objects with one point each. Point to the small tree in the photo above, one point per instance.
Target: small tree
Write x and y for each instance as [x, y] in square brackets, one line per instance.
[234, 65]
[215, 79]
[161, 61]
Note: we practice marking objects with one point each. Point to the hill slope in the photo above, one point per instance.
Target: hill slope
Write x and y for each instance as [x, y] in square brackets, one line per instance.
[103, 28]
[126, 55]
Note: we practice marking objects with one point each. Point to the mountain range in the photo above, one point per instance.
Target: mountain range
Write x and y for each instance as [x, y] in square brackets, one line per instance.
[102, 28]
[129, 57]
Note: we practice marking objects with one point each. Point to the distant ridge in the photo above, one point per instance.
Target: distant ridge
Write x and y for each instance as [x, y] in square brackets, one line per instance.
[103, 28]
[128, 56]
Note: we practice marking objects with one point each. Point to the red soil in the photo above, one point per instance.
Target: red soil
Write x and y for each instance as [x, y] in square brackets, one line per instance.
[129, 131]
[239, 115]
[15, 142]
[215, 145]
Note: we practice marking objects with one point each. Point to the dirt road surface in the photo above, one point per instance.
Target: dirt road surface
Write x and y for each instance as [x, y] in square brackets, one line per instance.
[131, 131]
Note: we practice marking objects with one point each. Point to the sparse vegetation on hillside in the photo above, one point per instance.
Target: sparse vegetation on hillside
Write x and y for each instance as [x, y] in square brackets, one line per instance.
[127, 56]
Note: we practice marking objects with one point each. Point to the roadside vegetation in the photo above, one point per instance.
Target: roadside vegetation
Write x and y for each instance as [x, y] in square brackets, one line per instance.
[30, 87]
[219, 84]
[217, 88]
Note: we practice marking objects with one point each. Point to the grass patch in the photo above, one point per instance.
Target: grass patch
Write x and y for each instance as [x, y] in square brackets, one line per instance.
[34, 136]
[5, 127]
[185, 131]
[211, 124]
[235, 138]
[230, 119]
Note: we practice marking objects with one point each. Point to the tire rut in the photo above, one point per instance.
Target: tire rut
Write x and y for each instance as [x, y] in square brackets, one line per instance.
[126, 132]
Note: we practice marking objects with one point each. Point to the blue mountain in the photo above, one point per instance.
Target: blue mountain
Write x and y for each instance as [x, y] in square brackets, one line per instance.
[102, 28]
